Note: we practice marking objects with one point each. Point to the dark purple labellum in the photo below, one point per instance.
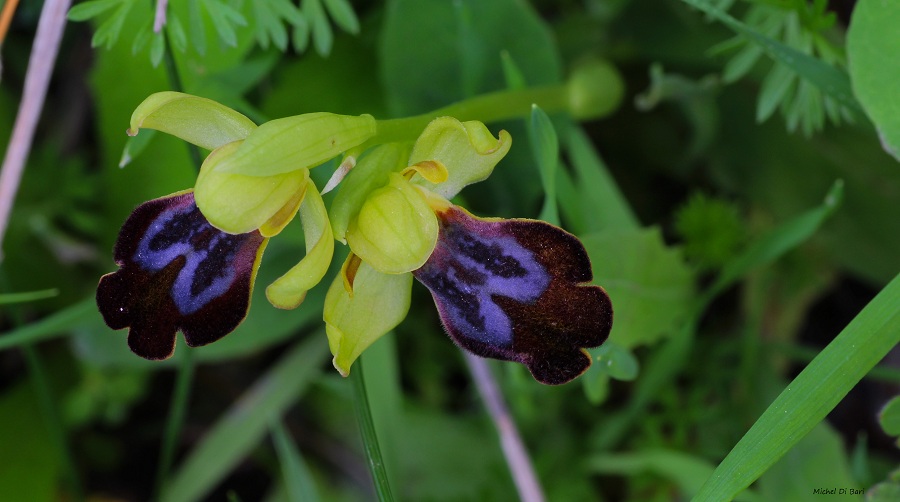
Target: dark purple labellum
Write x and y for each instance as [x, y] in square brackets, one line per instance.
[177, 272]
[513, 290]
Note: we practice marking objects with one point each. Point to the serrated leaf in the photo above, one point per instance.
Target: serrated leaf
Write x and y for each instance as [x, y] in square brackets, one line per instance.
[827, 78]
[741, 64]
[322, 35]
[177, 34]
[775, 88]
[157, 49]
[343, 15]
[300, 36]
[91, 9]
[224, 17]
[650, 285]
[108, 32]
[198, 28]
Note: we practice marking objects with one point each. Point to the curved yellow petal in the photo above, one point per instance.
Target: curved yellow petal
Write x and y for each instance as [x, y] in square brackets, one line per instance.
[467, 150]
[290, 289]
[197, 120]
[237, 203]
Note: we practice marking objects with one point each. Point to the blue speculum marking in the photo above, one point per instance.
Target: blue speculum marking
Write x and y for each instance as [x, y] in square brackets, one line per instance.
[470, 264]
[208, 252]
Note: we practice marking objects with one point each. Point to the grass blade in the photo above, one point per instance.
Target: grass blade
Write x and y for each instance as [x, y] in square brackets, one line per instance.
[81, 314]
[811, 396]
[297, 479]
[369, 437]
[247, 422]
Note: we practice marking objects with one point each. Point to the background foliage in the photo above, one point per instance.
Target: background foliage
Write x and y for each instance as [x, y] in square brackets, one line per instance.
[740, 208]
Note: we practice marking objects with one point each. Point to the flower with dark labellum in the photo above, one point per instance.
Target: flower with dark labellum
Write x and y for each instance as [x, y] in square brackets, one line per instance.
[177, 272]
[515, 290]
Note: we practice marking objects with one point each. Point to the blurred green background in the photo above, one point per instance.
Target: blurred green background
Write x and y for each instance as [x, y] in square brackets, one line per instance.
[713, 151]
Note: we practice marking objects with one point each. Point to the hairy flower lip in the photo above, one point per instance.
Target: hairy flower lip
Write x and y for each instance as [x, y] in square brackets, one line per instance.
[177, 272]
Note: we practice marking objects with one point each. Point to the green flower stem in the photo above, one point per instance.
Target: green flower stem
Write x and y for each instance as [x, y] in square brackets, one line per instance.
[177, 411]
[367, 430]
[493, 107]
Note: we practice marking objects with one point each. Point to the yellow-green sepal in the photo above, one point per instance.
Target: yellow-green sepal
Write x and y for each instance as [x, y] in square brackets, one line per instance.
[236, 203]
[378, 303]
[299, 142]
[467, 149]
[396, 229]
[370, 173]
[289, 290]
[197, 120]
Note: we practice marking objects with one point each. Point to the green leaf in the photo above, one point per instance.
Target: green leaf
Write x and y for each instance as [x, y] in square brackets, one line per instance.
[818, 460]
[135, 145]
[29, 296]
[871, 38]
[775, 88]
[884, 492]
[322, 36]
[616, 361]
[604, 206]
[827, 78]
[418, 76]
[811, 396]
[650, 285]
[889, 418]
[242, 427]
[343, 15]
[685, 470]
[783, 238]
[80, 315]
[545, 148]
[91, 9]
[224, 18]
[298, 480]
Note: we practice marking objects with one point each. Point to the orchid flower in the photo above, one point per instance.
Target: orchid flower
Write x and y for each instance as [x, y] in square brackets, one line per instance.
[515, 290]
[188, 260]
[507, 289]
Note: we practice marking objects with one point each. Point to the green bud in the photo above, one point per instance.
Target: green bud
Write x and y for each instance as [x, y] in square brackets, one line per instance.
[595, 90]
[396, 230]
[236, 203]
[299, 142]
[467, 149]
[197, 120]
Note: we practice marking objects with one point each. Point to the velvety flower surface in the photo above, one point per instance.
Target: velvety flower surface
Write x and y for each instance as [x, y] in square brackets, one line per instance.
[177, 272]
[515, 290]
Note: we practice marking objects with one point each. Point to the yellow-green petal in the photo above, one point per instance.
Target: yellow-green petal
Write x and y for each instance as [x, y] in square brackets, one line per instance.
[298, 142]
[370, 173]
[378, 304]
[290, 289]
[467, 149]
[395, 230]
[197, 120]
[236, 203]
